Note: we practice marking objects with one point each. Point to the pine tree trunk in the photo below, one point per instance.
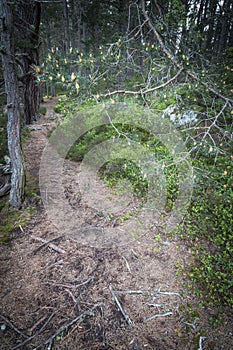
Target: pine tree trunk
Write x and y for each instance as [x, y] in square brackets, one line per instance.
[27, 22]
[225, 27]
[66, 27]
[13, 109]
[211, 22]
[74, 24]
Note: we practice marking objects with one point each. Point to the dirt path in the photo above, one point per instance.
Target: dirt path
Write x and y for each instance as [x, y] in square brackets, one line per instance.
[62, 294]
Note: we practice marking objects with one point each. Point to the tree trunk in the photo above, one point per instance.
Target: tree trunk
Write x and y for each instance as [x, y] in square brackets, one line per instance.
[13, 109]
[74, 22]
[225, 28]
[66, 27]
[212, 24]
[27, 22]
[121, 17]
[79, 26]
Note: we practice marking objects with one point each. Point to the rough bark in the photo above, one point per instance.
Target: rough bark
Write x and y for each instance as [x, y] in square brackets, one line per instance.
[66, 27]
[225, 25]
[13, 108]
[211, 24]
[27, 22]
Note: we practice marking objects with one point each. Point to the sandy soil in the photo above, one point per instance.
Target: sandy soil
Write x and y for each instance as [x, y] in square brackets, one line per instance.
[61, 293]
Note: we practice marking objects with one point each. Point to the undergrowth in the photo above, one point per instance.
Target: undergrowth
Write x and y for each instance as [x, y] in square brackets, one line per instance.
[12, 221]
[207, 227]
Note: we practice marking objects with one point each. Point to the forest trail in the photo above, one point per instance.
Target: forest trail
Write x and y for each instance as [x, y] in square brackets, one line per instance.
[128, 296]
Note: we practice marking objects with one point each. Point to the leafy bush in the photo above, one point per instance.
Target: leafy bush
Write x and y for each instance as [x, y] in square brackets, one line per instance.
[209, 227]
[121, 167]
[42, 110]
[209, 221]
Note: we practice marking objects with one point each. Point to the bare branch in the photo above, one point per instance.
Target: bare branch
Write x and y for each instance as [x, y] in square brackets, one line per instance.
[126, 317]
[51, 245]
[158, 37]
[46, 243]
[5, 319]
[158, 315]
[146, 292]
[69, 285]
[36, 334]
[126, 263]
[143, 92]
[200, 342]
[170, 55]
[66, 326]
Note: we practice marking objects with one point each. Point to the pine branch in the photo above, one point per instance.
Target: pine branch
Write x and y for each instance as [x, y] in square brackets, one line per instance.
[172, 57]
[144, 92]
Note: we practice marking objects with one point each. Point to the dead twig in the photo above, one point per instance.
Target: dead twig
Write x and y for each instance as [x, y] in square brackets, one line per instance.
[200, 342]
[72, 296]
[126, 317]
[157, 305]
[51, 245]
[35, 335]
[53, 264]
[190, 325]
[5, 319]
[158, 315]
[126, 263]
[68, 285]
[66, 326]
[136, 345]
[146, 292]
[46, 243]
[31, 330]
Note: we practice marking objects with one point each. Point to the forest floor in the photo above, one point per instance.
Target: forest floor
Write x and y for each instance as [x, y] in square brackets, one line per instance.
[60, 293]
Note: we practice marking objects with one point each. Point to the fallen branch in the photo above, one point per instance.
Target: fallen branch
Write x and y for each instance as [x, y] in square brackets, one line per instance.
[66, 326]
[51, 245]
[136, 345]
[158, 315]
[35, 335]
[157, 305]
[200, 342]
[69, 285]
[146, 292]
[126, 317]
[190, 325]
[45, 243]
[126, 263]
[5, 319]
[72, 296]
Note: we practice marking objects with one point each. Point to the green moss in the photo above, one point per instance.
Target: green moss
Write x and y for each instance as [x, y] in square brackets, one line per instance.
[32, 187]
[4, 238]
[12, 220]
[42, 110]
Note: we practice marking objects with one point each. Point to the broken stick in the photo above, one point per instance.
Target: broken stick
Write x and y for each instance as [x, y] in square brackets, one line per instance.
[66, 326]
[126, 317]
[51, 245]
[156, 316]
